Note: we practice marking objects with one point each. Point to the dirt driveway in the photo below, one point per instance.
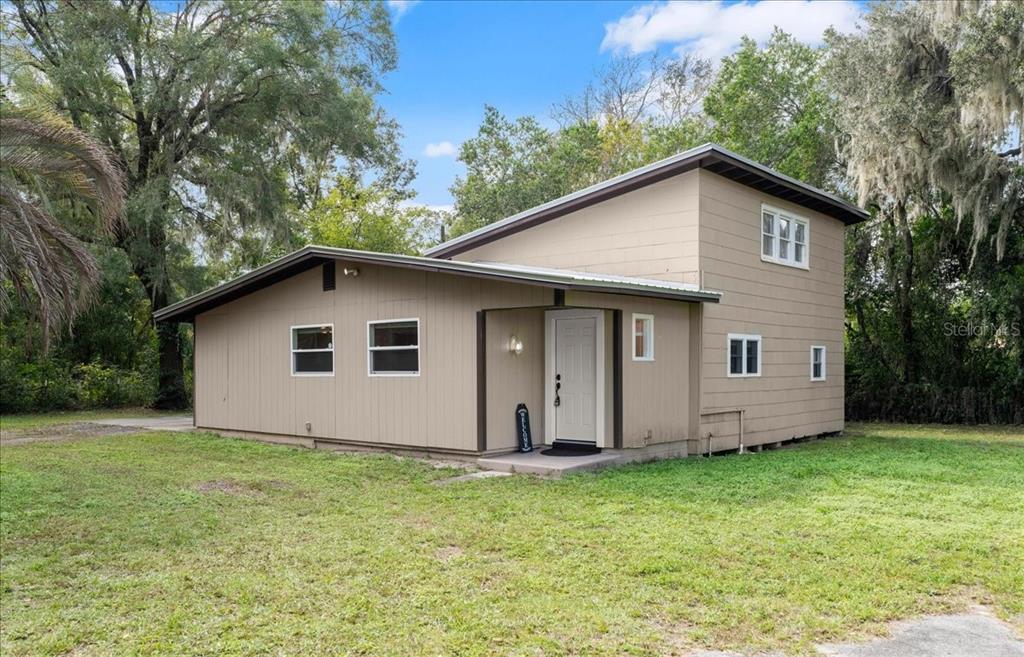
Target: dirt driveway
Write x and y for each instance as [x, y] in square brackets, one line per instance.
[94, 428]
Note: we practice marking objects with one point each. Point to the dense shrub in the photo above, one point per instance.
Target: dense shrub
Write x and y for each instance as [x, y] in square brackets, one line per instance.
[105, 387]
[929, 403]
[52, 385]
[108, 360]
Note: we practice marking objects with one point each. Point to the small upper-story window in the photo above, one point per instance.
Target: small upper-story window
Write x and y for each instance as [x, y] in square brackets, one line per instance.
[784, 237]
[643, 337]
[313, 350]
[744, 355]
[817, 363]
[394, 347]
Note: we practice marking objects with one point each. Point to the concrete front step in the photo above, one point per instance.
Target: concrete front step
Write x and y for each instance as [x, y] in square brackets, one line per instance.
[550, 466]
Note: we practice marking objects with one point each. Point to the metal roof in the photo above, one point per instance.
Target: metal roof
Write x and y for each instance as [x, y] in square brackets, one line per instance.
[711, 157]
[312, 256]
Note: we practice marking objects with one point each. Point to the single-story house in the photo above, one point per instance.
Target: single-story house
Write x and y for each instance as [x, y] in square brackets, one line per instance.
[695, 304]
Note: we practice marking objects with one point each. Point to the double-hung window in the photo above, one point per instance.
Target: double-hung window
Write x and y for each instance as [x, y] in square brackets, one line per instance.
[784, 237]
[393, 347]
[744, 355]
[313, 350]
[643, 337]
[817, 363]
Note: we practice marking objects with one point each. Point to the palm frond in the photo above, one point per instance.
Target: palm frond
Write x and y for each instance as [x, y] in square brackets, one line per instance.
[41, 262]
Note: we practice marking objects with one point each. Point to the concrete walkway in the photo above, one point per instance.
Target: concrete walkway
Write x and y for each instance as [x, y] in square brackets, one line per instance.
[976, 633]
[162, 423]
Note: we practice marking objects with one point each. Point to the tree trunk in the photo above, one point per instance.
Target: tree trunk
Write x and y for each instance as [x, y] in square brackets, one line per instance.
[171, 393]
[906, 307]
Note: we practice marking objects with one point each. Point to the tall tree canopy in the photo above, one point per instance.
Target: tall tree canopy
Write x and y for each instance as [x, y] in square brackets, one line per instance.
[771, 104]
[933, 108]
[637, 110]
[372, 218]
[220, 113]
[931, 115]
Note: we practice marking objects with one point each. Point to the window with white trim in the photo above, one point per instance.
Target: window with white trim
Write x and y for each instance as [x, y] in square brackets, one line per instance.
[643, 337]
[393, 347]
[744, 355]
[313, 350]
[817, 363]
[784, 237]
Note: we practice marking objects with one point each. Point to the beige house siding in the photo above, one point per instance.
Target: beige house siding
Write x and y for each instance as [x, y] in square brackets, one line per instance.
[650, 232]
[697, 227]
[655, 395]
[243, 358]
[702, 228]
[792, 309]
[513, 379]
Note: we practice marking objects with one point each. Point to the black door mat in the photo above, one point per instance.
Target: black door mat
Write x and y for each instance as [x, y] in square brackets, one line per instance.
[570, 449]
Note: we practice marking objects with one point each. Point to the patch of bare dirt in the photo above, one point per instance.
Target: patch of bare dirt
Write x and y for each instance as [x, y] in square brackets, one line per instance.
[674, 635]
[448, 553]
[417, 521]
[228, 486]
[62, 432]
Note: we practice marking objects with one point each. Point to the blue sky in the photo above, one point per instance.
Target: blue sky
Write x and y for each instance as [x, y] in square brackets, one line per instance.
[522, 57]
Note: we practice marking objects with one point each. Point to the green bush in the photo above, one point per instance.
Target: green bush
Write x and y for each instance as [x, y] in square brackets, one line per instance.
[52, 385]
[110, 387]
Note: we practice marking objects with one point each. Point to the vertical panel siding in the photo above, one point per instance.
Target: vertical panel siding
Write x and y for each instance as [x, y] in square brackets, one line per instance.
[790, 308]
[514, 379]
[650, 232]
[655, 395]
[243, 358]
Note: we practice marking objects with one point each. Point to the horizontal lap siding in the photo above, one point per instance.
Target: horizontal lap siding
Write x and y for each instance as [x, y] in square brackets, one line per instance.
[243, 358]
[650, 232]
[790, 308]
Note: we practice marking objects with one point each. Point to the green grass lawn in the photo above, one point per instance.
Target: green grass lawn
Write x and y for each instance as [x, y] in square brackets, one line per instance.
[192, 544]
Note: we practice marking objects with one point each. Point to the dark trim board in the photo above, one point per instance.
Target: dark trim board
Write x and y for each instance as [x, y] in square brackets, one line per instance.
[559, 297]
[617, 378]
[481, 381]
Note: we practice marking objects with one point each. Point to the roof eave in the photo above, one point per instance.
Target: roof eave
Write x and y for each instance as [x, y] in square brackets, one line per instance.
[310, 256]
[706, 156]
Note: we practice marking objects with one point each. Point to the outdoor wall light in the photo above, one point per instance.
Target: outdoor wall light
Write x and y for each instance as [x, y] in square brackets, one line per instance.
[515, 346]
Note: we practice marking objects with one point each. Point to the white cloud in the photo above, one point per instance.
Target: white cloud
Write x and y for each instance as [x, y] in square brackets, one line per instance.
[442, 207]
[713, 29]
[400, 7]
[440, 149]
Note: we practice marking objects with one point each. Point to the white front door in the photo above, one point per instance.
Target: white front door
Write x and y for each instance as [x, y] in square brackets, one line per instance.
[575, 384]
